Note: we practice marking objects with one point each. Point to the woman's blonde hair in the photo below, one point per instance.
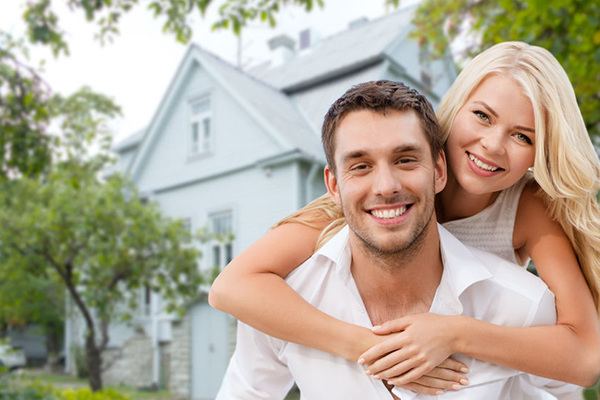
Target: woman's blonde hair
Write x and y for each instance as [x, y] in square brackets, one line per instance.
[566, 165]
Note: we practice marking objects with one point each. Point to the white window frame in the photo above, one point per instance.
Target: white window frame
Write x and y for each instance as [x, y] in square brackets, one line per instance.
[201, 140]
[220, 253]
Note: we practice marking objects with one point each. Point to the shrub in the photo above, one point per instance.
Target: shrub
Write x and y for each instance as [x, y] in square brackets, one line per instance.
[87, 394]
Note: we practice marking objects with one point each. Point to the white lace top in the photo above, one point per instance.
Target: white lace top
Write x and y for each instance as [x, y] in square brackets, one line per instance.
[492, 228]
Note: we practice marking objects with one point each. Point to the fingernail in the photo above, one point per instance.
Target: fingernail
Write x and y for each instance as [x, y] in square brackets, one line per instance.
[367, 372]
[361, 361]
[456, 386]
[464, 382]
[376, 377]
[376, 327]
[439, 392]
[464, 369]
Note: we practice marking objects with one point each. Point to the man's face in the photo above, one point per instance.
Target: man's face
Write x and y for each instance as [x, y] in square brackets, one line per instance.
[385, 178]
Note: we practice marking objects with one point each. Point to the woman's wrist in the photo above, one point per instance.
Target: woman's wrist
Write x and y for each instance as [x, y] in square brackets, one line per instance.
[457, 328]
[354, 341]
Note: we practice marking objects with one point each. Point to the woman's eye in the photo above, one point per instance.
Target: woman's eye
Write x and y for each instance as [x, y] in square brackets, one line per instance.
[483, 116]
[524, 138]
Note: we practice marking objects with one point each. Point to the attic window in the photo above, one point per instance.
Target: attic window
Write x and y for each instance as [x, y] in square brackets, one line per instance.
[201, 140]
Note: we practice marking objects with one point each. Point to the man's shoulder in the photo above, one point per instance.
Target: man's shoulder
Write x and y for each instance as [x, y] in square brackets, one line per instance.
[334, 254]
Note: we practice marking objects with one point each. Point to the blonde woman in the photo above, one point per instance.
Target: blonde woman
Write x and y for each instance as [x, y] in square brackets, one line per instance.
[511, 109]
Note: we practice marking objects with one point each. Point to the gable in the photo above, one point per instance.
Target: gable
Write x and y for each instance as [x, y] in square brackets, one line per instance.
[238, 139]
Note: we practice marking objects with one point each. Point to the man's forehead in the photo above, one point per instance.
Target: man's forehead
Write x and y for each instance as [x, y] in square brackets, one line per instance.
[366, 128]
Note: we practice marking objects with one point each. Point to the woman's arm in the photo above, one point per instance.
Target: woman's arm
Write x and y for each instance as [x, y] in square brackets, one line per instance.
[252, 289]
[568, 351]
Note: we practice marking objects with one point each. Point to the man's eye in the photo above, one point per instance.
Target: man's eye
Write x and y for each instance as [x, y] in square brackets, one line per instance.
[359, 167]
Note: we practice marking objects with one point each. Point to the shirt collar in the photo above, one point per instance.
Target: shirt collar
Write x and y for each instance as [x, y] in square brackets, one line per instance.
[461, 268]
[337, 249]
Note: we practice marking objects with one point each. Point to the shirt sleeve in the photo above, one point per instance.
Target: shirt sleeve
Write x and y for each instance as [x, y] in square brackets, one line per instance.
[255, 370]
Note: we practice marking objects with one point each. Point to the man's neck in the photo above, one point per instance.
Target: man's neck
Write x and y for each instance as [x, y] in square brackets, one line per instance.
[396, 285]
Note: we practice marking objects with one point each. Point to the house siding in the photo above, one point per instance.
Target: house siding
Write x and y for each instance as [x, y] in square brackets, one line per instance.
[239, 140]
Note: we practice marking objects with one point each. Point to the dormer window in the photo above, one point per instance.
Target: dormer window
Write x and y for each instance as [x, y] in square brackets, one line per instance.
[200, 127]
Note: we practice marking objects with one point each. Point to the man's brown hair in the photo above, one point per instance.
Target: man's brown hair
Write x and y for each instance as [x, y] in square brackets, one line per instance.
[380, 96]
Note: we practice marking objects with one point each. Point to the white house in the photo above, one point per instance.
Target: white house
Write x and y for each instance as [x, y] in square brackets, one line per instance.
[236, 151]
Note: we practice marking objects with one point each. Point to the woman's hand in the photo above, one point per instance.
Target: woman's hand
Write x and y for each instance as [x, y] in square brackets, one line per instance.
[424, 342]
[443, 377]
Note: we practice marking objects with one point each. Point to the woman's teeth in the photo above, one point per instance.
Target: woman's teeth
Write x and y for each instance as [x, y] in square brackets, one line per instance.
[481, 164]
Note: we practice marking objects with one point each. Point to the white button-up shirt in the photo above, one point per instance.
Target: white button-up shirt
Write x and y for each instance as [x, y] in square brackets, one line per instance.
[474, 283]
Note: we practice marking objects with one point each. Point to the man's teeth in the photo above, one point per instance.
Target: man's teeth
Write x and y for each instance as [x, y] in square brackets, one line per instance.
[481, 164]
[386, 214]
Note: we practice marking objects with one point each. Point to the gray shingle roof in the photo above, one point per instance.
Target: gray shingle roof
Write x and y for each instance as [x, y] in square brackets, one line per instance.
[349, 50]
[130, 141]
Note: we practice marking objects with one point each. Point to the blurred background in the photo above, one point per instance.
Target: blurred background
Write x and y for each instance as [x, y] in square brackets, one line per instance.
[145, 144]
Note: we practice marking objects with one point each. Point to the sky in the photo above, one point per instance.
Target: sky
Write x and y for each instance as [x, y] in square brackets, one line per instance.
[135, 70]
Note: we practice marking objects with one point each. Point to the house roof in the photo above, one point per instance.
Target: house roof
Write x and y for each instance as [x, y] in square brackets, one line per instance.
[274, 108]
[130, 141]
[263, 92]
[355, 48]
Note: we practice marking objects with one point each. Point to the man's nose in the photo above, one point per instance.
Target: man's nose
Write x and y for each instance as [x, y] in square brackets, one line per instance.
[387, 182]
[494, 140]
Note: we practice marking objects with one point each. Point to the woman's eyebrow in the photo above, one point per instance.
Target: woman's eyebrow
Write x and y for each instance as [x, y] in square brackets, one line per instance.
[487, 107]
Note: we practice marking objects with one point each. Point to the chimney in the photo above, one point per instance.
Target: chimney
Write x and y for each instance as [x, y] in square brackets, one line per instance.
[308, 38]
[358, 22]
[282, 48]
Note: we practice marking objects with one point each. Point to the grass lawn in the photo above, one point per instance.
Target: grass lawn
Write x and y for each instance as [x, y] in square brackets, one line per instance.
[62, 381]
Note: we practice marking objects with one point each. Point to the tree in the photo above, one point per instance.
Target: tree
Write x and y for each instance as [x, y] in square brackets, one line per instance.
[570, 29]
[96, 237]
[33, 299]
[25, 143]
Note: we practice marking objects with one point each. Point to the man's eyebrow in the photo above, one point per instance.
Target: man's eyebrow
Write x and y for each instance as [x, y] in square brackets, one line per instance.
[353, 155]
[491, 111]
[409, 148]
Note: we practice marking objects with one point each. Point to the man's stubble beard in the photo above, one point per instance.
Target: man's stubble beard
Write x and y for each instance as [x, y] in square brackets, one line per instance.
[398, 254]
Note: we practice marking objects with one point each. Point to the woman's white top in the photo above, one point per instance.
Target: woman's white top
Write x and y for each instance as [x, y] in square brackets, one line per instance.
[492, 228]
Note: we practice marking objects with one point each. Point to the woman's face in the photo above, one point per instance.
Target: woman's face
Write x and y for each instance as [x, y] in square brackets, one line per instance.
[492, 140]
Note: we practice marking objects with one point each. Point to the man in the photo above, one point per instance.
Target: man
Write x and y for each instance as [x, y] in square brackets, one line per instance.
[385, 165]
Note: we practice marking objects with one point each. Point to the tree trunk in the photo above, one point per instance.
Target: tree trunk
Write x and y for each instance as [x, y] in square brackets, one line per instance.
[94, 362]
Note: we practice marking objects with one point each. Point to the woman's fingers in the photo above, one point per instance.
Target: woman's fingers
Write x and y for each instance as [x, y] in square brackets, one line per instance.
[415, 387]
[430, 385]
[395, 325]
[381, 350]
[450, 363]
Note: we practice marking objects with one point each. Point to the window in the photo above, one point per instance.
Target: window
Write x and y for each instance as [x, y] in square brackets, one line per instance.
[201, 127]
[221, 224]
[187, 224]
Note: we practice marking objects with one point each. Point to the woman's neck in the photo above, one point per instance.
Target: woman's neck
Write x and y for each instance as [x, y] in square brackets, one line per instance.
[454, 202]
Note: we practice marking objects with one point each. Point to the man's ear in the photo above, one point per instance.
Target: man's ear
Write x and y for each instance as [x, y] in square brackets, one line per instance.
[441, 173]
[332, 185]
